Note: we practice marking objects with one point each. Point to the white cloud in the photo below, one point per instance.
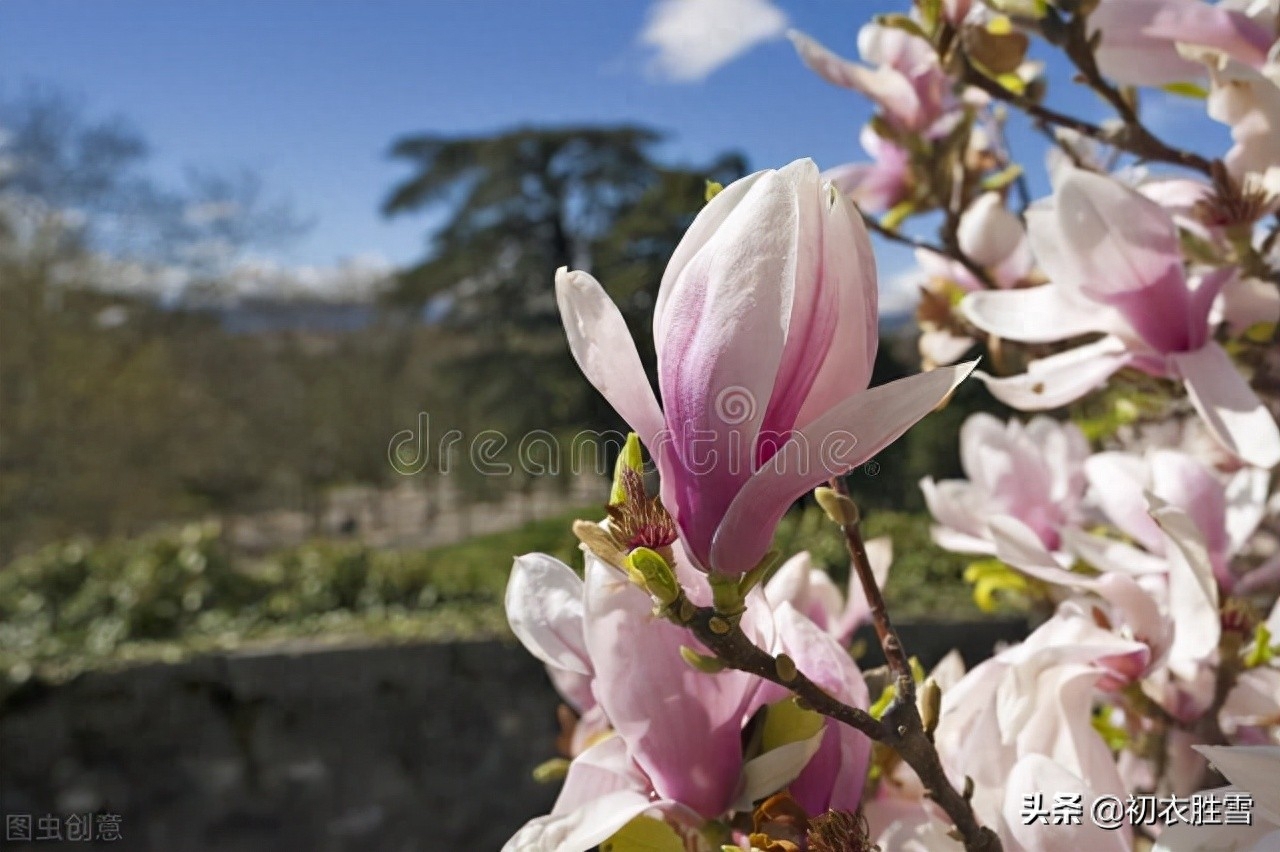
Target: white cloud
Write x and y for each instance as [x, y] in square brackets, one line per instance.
[692, 38]
[900, 290]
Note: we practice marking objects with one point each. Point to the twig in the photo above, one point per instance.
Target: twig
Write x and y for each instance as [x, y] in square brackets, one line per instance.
[1133, 138]
[955, 254]
[900, 727]
[894, 654]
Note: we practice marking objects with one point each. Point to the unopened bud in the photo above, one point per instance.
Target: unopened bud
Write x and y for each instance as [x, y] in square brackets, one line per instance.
[786, 668]
[839, 507]
[758, 574]
[701, 662]
[713, 189]
[930, 703]
[656, 575]
[551, 770]
[630, 459]
[719, 626]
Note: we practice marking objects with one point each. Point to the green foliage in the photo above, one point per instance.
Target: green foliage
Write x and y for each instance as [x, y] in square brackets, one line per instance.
[517, 206]
[76, 604]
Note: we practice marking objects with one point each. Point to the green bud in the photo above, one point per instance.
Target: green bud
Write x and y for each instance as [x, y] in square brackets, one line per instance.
[786, 668]
[930, 705]
[760, 573]
[551, 770]
[726, 596]
[701, 662]
[631, 458]
[713, 189]
[838, 507]
[656, 575]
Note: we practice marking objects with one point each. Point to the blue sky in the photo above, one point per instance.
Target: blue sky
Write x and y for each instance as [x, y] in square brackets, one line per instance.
[311, 94]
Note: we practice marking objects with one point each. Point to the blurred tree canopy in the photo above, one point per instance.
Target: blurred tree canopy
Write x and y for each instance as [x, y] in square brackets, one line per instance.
[519, 205]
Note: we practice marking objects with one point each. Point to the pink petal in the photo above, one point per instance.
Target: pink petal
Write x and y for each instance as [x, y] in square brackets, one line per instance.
[1228, 406]
[842, 438]
[835, 775]
[849, 279]
[681, 726]
[725, 348]
[1139, 38]
[603, 348]
[885, 85]
[1059, 379]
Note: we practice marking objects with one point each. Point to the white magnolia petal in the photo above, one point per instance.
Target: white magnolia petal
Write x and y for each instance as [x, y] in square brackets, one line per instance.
[1107, 554]
[1018, 546]
[1252, 768]
[1036, 773]
[580, 829]
[1041, 314]
[1246, 505]
[602, 346]
[1059, 379]
[766, 774]
[544, 608]
[1193, 592]
[1228, 406]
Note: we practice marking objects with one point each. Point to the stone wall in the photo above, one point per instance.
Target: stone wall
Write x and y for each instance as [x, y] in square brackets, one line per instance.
[396, 749]
[388, 749]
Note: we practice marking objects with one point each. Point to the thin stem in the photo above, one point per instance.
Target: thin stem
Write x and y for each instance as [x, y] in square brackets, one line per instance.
[900, 727]
[894, 654]
[898, 237]
[1133, 138]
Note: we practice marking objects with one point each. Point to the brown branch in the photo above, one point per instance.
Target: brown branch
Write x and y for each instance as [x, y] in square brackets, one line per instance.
[894, 654]
[954, 253]
[1133, 137]
[900, 728]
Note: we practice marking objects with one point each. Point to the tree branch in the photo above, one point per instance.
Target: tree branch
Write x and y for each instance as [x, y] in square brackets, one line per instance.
[898, 237]
[1133, 137]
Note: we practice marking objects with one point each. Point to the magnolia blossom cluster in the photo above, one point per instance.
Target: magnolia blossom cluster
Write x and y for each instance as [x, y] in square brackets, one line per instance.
[1131, 314]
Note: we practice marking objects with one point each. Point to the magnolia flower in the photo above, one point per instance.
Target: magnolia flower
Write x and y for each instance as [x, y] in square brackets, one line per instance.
[879, 185]
[906, 82]
[1115, 267]
[1140, 38]
[1174, 614]
[1245, 97]
[1019, 724]
[992, 237]
[1225, 514]
[666, 738]
[1033, 473]
[1252, 771]
[766, 330]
